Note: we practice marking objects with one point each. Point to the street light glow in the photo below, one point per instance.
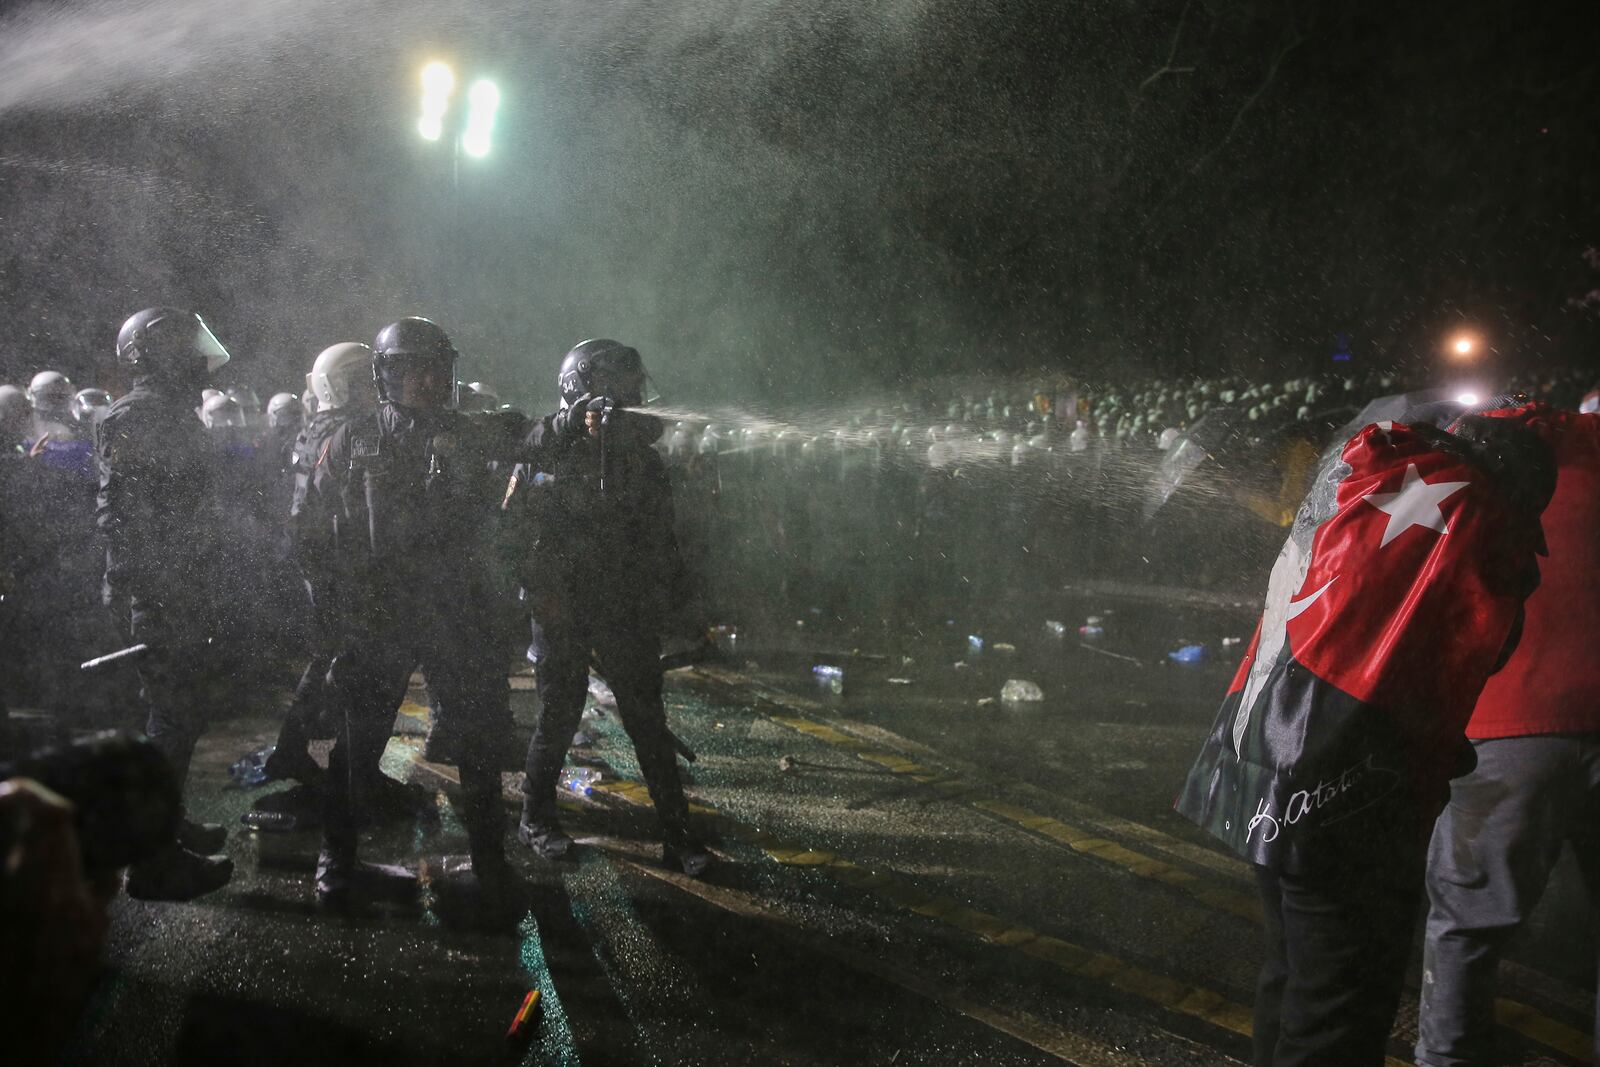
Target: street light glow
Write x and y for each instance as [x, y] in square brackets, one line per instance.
[483, 99]
[1464, 346]
[438, 81]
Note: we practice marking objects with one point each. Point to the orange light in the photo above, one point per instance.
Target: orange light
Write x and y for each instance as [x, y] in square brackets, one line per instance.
[1463, 346]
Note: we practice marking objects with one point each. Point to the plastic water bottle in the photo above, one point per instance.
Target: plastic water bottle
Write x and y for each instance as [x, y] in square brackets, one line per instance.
[975, 642]
[580, 781]
[250, 770]
[829, 677]
[1188, 654]
[1055, 628]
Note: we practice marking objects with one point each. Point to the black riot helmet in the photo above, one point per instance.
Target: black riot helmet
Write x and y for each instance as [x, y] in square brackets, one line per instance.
[169, 343]
[414, 364]
[601, 368]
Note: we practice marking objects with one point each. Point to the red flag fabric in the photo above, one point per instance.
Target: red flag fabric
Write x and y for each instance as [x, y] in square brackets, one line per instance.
[1386, 611]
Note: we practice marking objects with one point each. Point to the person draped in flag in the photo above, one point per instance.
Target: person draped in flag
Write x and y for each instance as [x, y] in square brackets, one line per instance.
[1397, 594]
[1535, 783]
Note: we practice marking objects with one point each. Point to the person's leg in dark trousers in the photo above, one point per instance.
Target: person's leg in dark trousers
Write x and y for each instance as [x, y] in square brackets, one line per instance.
[562, 673]
[1490, 859]
[174, 682]
[466, 674]
[178, 693]
[630, 662]
[1345, 929]
[1274, 969]
[366, 683]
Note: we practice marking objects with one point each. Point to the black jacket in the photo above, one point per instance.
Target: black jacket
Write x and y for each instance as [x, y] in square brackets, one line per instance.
[408, 489]
[156, 508]
[614, 549]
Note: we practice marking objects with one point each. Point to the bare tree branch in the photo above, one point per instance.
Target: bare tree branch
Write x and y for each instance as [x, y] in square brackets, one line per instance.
[1294, 40]
[1166, 68]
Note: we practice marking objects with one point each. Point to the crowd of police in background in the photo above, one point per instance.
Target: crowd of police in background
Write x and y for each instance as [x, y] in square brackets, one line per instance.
[955, 501]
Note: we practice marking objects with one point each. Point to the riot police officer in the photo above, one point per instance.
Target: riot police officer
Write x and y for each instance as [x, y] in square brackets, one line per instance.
[601, 575]
[285, 417]
[50, 393]
[406, 478]
[340, 382]
[157, 518]
[16, 418]
[88, 406]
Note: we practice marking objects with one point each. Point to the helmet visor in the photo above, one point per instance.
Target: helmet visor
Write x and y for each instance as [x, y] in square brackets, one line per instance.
[207, 345]
[629, 386]
[228, 416]
[419, 381]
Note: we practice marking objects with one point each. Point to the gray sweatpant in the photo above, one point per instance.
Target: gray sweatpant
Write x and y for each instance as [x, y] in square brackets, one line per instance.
[1491, 855]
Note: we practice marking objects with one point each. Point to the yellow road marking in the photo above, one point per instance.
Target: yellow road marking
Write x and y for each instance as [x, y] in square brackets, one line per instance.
[1167, 993]
[412, 709]
[1041, 1034]
[1534, 1024]
[1236, 903]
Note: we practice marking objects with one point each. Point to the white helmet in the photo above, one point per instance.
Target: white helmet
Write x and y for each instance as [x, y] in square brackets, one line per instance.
[15, 416]
[283, 410]
[90, 404]
[222, 412]
[342, 375]
[51, 392]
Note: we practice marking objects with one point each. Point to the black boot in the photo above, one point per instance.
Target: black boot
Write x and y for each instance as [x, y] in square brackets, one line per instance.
[202, 838]
[336, 875]
[688, 856]
[345, 882]
[178, 874]
[541, 831]
[290, 763]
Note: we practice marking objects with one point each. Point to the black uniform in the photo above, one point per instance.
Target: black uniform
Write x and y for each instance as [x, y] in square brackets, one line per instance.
[157, 514]
[410, 535]
[601, 572]
[314, 533]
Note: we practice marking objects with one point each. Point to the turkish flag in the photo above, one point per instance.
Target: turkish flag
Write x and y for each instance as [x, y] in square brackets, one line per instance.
[1387, 609]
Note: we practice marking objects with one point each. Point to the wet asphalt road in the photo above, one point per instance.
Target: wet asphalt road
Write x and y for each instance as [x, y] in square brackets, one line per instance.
[939, 878]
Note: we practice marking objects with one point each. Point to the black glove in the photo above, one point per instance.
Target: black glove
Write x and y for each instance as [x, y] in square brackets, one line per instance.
[568, 422]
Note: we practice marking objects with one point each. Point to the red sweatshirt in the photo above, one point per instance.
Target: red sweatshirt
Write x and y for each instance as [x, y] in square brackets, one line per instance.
[1552, 682]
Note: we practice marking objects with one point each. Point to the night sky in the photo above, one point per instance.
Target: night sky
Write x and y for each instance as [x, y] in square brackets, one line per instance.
[800, 200]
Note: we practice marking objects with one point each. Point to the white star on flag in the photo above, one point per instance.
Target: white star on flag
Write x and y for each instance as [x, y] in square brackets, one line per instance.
[1416, 504]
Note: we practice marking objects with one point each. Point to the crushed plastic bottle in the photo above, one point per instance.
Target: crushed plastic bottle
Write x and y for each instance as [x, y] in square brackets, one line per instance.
[829, 677]
[250, 770]
[1055, 628]
[601, 692]
[1019, 691]
[1091, 633]
[1188, 654]
[580, 781]
[1230, 642]
[281, 822]
[975, 642]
